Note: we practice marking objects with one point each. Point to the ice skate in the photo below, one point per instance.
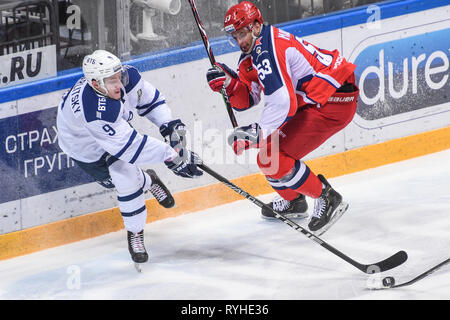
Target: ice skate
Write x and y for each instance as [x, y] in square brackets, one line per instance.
[137, 249]
[289, 209]
[160, 191]
[328, 208]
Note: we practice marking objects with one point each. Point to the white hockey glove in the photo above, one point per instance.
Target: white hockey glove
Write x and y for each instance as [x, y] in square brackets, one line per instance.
[185, 165]
[174, 132]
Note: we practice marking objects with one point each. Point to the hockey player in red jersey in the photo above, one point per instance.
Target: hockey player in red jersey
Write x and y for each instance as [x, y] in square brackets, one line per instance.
[309, 95]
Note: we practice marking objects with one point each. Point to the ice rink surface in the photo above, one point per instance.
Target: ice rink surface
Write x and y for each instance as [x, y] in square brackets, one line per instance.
[229, 252]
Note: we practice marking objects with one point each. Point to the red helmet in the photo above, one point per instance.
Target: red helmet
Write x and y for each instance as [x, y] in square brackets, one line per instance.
[241, 15]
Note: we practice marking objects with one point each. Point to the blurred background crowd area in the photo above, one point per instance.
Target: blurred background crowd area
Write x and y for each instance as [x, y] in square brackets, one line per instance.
[131, 27]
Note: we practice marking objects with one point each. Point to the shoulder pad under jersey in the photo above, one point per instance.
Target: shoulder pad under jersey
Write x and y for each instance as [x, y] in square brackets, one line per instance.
[99, 107]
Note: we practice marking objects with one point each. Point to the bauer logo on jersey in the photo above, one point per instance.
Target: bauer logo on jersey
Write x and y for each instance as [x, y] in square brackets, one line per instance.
[101, 106]
[403, 75]
[341, 99]
[101, 103]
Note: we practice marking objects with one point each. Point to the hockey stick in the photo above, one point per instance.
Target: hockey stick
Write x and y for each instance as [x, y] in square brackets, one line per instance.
[202, 31]
[387, 264]
[389, 282]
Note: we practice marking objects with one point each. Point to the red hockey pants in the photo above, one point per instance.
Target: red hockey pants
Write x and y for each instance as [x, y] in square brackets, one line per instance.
[308, 129]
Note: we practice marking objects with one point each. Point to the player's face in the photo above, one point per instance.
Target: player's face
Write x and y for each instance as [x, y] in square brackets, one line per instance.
[113, 84]
[243, 38]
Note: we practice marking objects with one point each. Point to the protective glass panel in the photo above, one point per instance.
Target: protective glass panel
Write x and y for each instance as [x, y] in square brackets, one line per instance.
[38, 39]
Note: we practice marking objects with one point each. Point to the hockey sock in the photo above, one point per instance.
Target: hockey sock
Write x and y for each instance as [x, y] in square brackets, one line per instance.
[287, 194]
[299, 180]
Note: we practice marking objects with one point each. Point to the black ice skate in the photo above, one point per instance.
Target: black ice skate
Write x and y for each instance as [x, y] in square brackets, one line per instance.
[289, 209]
[137, 249]
[160, 191]
[328, 208]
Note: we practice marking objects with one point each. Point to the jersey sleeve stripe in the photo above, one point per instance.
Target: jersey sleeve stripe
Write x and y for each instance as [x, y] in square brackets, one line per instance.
[145, 179]
[155, 98]
[139, 150]
[310, 99]
[306, 98]
[150, 108]
[329, 79]
[131, 196]
[301, 81]
[127, 145]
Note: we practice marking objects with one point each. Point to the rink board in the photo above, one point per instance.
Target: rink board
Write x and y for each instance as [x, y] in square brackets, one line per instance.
[95, 224]
[49, 201]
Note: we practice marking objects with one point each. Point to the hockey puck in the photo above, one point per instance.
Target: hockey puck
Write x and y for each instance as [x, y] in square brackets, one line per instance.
[389, 282]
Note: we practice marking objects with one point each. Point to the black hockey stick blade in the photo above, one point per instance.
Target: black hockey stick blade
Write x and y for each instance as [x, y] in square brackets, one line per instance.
[391, 283]
[387, 264]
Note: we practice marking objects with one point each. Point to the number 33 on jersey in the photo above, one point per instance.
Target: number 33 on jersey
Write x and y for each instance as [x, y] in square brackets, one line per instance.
[292, 72]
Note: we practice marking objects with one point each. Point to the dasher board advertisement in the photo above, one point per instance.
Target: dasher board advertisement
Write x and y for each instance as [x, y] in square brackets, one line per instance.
[27, 66]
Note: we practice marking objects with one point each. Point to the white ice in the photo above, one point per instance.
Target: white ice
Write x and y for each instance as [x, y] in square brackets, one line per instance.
[229, 252]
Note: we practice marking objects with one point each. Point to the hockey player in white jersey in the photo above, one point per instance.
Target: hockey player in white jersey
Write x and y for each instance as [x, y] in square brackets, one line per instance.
[93, 130]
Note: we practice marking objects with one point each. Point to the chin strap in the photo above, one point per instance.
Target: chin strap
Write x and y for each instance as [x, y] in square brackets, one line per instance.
[101, 86]
[106, 93]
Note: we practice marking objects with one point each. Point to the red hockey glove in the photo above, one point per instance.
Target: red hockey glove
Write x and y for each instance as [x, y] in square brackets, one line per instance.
[244, 138]
[220, 76]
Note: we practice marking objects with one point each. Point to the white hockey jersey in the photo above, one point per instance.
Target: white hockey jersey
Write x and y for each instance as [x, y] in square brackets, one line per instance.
[90, 124]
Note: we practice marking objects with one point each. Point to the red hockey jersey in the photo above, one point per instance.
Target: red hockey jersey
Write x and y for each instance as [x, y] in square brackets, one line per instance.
[291, 72]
